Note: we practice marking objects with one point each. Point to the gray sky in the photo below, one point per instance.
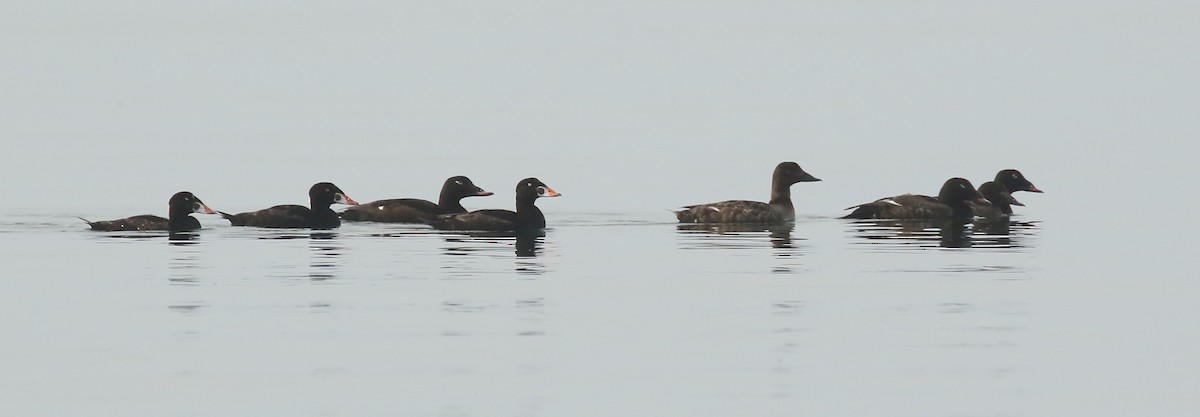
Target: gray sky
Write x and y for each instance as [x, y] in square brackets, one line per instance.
[619, 106]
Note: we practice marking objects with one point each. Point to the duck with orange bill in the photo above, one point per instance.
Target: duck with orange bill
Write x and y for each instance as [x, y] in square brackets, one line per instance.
[527, 216]
[179, 219]
[320, 216]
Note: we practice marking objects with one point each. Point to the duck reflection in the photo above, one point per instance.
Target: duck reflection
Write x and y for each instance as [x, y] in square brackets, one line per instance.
[913, 233]
[934, 233]
[481, 245]
[184, 267]
[1003, 233]
[326, 251]
[183, 238]
[776, 238]
[737, 236]
[527, 245]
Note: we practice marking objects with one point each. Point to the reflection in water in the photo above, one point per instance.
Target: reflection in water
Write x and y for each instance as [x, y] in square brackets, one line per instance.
[183, 238]
[526, 246]
[185, 267]
[1004, 233]
[326, 251]
[921, 234]
[737, 236]
[744, 236]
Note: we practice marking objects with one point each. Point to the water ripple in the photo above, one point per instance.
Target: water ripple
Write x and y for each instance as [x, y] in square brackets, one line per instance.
[886, 235]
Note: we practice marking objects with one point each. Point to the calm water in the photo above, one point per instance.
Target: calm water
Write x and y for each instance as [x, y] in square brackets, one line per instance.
[607, 314]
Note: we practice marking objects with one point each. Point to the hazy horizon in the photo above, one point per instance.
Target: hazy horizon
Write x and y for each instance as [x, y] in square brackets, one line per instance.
[626, 108]
[629, 106]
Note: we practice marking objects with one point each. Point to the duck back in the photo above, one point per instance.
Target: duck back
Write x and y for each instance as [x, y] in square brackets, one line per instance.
[733, 211]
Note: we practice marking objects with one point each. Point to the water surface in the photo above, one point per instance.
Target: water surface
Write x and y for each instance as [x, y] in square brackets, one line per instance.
[607, 313]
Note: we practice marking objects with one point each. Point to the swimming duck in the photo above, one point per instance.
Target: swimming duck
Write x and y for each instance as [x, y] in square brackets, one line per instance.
[320, 216]
[181, 206]
[778, 210]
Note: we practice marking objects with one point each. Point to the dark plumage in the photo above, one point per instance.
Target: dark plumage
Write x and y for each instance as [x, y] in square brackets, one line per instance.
[527, 217]
[951, 203]
[182, 205]
[778, 210]
[320, 216]
[1014, 181]
[413, 210]
[1000, 201]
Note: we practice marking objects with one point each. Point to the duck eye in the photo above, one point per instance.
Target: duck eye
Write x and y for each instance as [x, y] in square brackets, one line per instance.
[541, 190]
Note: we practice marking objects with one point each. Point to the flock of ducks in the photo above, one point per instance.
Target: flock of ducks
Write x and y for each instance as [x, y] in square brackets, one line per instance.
[958, 200]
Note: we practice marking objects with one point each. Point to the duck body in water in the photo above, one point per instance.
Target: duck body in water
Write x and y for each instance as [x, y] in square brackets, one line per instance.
[414, 210]
[778, 210]
[527, 217]
[320, 216]
[952, 203]
[179, 219]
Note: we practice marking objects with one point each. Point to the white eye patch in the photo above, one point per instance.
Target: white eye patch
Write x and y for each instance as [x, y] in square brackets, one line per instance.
[458, 182]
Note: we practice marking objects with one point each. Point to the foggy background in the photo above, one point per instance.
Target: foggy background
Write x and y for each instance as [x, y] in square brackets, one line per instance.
[109, 108]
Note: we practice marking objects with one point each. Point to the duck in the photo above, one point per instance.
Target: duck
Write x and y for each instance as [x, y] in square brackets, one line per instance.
[778, 210]
[952, 203]
[181, 206]
[527, 216]
[414, 210]
[1014, 181]
[320, 216]
[1000, 201]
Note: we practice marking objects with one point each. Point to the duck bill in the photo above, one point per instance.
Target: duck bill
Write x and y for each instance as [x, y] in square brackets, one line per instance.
[204, 209]
[1034, 189]
[983, 201]
[550, 192]
[344, 199]
[808, 178]
[481, 193]
[1014, 202]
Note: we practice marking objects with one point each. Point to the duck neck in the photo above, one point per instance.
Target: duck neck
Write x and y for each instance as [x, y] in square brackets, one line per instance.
[781, 199]
[450, 202]
[180, 219]
[961, 209]
[322, 215]
[1004, 207]
[529, 216]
